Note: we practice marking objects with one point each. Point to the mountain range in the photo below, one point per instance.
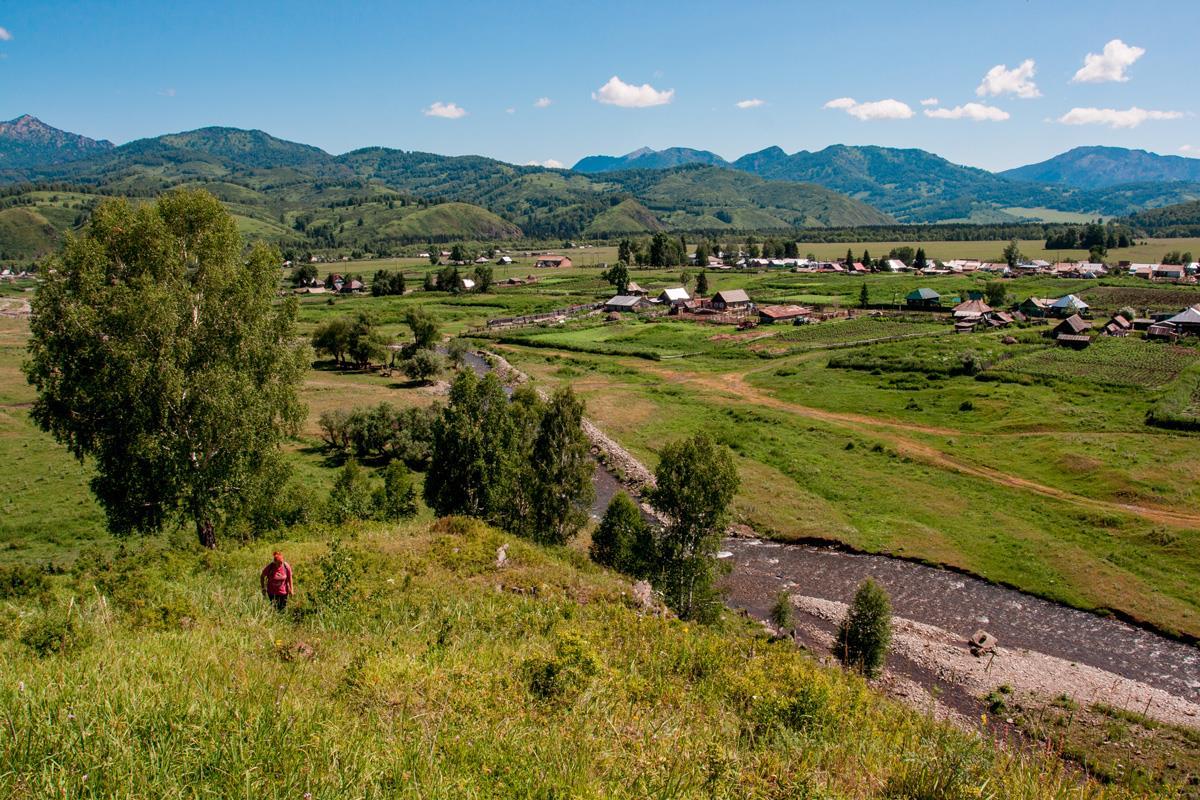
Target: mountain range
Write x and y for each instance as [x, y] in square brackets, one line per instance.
[380, 199]
[919, 187]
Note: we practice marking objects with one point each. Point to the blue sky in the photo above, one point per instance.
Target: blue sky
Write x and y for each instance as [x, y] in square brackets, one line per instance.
[346, 75]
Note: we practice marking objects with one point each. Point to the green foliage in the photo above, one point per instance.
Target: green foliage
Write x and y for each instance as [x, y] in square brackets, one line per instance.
[18, 581]
[996, 294]
[562, 468]
[618, 275]
[567, 673]
[350, 496]
[423, 365]
[863, 636]
[364, 341]
[483, 278]
[472, 442]
[338, 574]
[424, 325]
[55, 633]
[781, 613]
[696, 482]
[332, 337]
[702, 283]
[304, 274]
[1012, 253]
[620, 535]
[864, 297]
[159, 352]
[387, 283]
[381, 432]
[397, 498]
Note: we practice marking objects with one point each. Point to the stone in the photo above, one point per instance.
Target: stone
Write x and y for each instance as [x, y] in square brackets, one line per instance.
[502, 556]
[982, 643]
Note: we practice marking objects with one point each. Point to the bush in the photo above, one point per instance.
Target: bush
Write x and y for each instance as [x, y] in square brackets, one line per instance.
[781, 612]
[337, 581]
[424, 366]
[397, 498]
[55, 633]
[864, 635]
[621, 534]
[567, 673]
[19, 581]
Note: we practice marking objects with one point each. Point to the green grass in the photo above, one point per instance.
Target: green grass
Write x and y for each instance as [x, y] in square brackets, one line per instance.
[420, 684]
[1129, 362]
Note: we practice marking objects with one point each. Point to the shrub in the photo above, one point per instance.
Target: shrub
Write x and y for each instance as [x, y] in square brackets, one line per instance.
[781, 612]
[55, 633]
[337, 582]
[863, 636]
[966, 405]
[19, 580]
[567, 673]
[615, 542]
[424, 366]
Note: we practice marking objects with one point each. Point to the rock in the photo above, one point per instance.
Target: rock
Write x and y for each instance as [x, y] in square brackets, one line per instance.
[502, 556]
[1008, 340]
[644, 595]
[982, 643]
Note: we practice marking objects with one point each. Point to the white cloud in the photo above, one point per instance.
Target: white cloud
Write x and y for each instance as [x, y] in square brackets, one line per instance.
[445, 110]
[166, 92]
[542, 102]
[5, 36]
[929, 101]
[510, 110]
[552, 163]
[1109, 65]
[1189, 148]
[878, 109]
[619, 93]
[753, 102]
[976, 112]
[1002, 80]
[1115, 118]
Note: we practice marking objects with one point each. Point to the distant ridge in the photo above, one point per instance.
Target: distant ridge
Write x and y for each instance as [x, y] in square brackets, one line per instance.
[1102, 167]
[645, 158]
[27, 141]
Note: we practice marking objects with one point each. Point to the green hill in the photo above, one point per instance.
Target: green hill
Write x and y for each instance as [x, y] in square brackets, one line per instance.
[26, 234]
[409, 665]
[627, 216]
[1181, 219]
[1102, 167]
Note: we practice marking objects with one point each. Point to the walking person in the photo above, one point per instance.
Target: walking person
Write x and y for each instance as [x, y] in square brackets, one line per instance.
[276, 581]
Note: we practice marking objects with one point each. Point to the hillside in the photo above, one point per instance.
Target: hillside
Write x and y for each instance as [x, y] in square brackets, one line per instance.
[1181, 219]
[1102, 167]
[704, 197]
[627, 216]
[645, 158]
[409, 665]
[27, 141]
[25, 234]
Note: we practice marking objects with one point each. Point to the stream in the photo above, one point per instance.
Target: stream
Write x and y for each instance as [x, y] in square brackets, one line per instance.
[960, 604]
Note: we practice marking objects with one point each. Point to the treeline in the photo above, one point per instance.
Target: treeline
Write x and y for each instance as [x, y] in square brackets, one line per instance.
[1179, 220]
[1094, 236]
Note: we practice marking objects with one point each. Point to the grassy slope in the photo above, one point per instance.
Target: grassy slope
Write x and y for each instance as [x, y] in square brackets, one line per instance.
[26, 234]
[628, 216]
[421, 686]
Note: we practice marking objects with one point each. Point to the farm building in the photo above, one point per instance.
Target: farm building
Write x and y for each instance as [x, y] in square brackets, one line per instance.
[1187, 321]
[971, 308]
[1073, 325]
[625, 302]
[552, 261]
[674, 296]
[351, 286]
[504, 260]
[923, 298]
[1167, 272]
[730, 300]
[896, 265]
[1162, 330]
[770, 314]
[1035, 306]
[1117, 326]
[466, 284]
[634, 289]
[1068, 306]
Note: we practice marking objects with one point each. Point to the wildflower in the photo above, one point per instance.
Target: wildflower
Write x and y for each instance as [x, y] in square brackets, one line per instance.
[21, 687]
[308, 796]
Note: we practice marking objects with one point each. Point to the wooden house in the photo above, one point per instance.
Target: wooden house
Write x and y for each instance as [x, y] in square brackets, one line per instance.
[730, 300]
[923, 298]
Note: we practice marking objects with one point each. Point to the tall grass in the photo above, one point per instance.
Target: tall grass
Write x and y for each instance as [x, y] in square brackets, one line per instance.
[423, 685]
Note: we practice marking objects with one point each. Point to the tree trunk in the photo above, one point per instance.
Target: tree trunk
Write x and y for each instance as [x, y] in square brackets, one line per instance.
[207, 533]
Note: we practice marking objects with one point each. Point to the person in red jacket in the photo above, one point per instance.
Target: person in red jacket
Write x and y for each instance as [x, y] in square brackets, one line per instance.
[276, 580]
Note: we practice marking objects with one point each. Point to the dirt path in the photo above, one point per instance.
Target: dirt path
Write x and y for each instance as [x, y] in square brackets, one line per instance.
[891, 431]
